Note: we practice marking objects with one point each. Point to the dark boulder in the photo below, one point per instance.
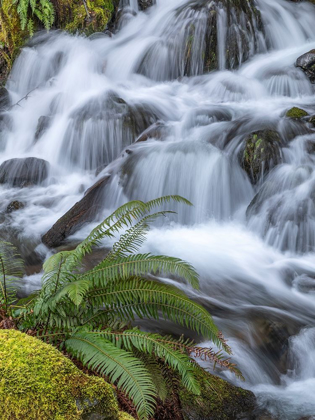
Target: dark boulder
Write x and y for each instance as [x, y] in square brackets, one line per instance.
[306, 62]
[261, 153]
[5, 100]
[145, 4]
[43, 124]
[84, 211]
[14, 206]
[24, 172]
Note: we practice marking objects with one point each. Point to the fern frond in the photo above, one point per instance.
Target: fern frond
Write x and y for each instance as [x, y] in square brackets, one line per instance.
[154, 344]
[149, 299]
[119, 366]
[138, 265]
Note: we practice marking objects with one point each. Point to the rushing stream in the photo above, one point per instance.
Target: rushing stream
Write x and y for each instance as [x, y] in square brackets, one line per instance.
[82, 102]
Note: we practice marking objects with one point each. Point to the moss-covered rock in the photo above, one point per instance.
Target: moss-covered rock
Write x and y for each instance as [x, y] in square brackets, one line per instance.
[219, 400]
[261, 153]
[124, 416]
[296, 113]
[38, 382]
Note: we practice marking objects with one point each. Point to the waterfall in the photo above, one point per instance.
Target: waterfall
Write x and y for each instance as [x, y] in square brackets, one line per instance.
[169, 104]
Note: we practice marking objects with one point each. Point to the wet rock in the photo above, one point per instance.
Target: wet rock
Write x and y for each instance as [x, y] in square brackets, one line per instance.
[312, 120]
[261, 153]
[234, 402]
[43, 124]
[84, 211]
[5, 100]
[145, 4]
[306, 62]
[157, 131]
[190, 44]
[296, 113]
[14, 206]
[24, 172]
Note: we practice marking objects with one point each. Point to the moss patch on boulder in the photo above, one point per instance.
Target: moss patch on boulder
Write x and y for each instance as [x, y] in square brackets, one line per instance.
[261, 153]
[219, 400]
[296, 113]
[38, 382]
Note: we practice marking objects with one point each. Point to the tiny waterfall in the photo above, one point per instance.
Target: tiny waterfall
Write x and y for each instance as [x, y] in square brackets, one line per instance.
[170, 104]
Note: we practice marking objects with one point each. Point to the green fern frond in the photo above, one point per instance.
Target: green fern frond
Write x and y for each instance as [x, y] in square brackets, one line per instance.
[119, 366]
[154, 344]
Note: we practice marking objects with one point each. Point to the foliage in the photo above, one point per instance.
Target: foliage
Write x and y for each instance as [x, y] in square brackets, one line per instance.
[89, 312]
[90, 17]
[38, 382]
[28, 10]
[11, 35]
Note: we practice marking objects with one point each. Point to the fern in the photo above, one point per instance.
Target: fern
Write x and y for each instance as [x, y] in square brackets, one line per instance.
[89, 312]
[43, 10]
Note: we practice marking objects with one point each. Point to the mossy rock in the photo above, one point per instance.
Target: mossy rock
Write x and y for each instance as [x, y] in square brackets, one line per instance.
[296, 113]
[38, 382]
[219, 400]
[261, 153]
[124, 416]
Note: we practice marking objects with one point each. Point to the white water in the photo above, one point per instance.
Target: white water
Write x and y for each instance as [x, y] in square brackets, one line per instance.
[257, 271]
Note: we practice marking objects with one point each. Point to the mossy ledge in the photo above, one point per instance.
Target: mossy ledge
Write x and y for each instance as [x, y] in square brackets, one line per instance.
[38, 382]
[219, 400]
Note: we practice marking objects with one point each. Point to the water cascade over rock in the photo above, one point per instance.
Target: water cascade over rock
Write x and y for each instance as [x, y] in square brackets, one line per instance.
[191, 97]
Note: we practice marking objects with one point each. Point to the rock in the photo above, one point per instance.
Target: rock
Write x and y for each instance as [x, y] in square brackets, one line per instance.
[193, 46]
[261, 153]
[14, 206]
[43, 124]
[219, 400]
[312, 120]
[306, 62]
[145, 4]
[157, 130]
[24, 172]
[5, 101]
[84, 211]
[39, 382]
[296, 113]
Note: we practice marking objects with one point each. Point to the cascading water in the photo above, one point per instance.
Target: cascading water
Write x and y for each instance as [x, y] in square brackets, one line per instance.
[81, 104]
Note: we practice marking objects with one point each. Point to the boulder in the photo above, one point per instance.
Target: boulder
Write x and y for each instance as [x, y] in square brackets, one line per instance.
[261, 153]
[24, 172]
[219, 400]
[43, 124]
[14, 206]
[84, 211]
[145, 4]
[296, 113]
[39, 382]
[306, 62]
[5, 100]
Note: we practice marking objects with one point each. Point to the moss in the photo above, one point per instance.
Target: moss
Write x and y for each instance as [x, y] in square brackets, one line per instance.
[296, 113]
[124, 416]
[261, 153]
[76, 19]
[38, 382]
[219, 400]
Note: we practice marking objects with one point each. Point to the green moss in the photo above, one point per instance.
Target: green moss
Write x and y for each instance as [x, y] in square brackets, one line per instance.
[124, 416]
[100, 13]
[296, 113]
[219, 400]
[38, 382]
